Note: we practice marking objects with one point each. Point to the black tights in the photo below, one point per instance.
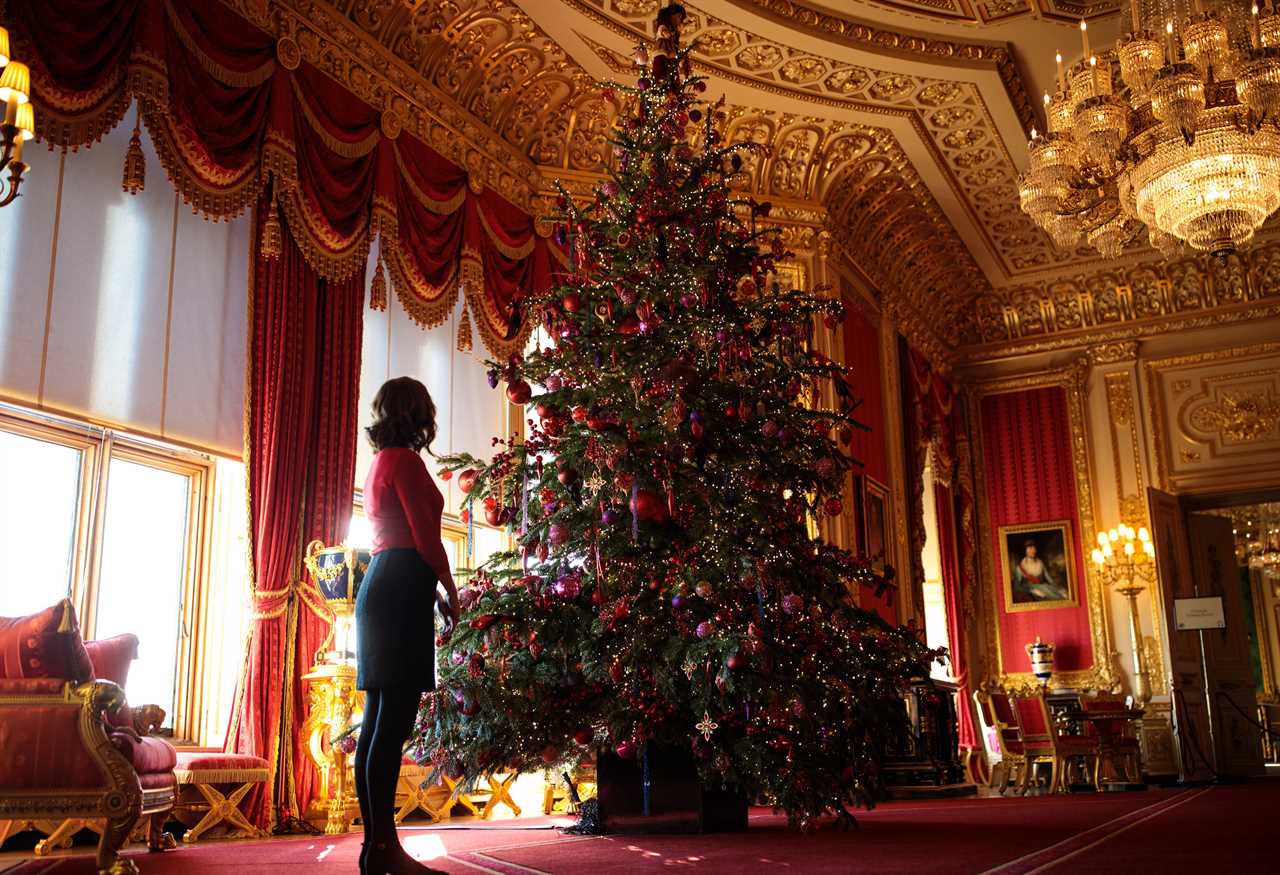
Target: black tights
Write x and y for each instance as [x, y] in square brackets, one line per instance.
[388, 719]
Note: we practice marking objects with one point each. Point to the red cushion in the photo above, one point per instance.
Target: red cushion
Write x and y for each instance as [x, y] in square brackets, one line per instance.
[196, 761]
[44, 645]
[147, 754]
[156, 780]
[111, 657]
[1077, 744]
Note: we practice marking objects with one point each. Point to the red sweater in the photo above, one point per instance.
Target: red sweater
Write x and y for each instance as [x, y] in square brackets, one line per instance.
[404, 506]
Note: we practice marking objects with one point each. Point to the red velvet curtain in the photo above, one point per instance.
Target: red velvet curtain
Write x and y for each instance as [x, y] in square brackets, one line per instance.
[304, 377]
[229, 108]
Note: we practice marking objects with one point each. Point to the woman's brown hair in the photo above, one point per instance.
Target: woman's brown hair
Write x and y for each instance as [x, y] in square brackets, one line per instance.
[403, 416]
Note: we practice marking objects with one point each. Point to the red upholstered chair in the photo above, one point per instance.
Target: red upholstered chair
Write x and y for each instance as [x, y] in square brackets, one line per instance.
[1116, 741]
[1044, 743]
[70, 747]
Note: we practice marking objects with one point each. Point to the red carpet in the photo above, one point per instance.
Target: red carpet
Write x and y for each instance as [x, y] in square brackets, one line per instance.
[1197, 830]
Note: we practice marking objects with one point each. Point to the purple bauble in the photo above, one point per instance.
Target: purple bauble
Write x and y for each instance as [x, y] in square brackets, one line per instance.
[705, 628]
[784, 435]
[493, 379]
[610, 516]
[567, 587]
[644, 83]
[688, 299]
[769, 429]
[553, 383]
[677, 602]
[792, 603]
[626, 749]
[559, 535]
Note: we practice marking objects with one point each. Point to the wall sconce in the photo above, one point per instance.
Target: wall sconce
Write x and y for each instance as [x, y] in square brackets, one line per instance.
[19, 116]
[1126, 560]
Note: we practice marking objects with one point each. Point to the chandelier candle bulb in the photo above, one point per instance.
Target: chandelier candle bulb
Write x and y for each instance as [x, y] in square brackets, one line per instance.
[1062, 74]
[1084, 37]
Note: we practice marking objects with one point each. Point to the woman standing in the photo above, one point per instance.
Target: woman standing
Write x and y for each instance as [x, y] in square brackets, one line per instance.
[394, 610]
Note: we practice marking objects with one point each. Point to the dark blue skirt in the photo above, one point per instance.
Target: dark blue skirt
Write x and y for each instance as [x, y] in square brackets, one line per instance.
[395, 622]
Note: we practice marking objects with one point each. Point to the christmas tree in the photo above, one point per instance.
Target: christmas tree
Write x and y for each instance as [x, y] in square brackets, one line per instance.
[667, 586]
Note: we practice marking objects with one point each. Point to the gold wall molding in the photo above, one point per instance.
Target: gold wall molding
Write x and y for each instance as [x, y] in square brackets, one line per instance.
[1124, 431]
[1111, 353]
[1215, 418]
[1073, 379]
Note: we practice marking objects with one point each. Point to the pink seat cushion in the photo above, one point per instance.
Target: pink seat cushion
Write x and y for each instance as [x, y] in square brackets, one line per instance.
[111, 657]
[147, 754]
[204, 761]
[44, 645]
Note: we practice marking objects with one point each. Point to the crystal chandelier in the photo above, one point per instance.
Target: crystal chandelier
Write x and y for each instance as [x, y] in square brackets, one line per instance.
[1176, 128]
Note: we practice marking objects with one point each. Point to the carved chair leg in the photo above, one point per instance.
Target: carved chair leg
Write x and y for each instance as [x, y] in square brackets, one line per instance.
[157, 839]
[114, 835]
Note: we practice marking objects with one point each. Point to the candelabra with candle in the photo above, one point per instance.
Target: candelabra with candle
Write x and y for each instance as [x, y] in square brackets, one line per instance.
[19, 116]
[1125, 559]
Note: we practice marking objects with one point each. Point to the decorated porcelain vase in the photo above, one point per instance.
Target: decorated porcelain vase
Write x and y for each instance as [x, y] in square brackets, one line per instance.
[1041, 655]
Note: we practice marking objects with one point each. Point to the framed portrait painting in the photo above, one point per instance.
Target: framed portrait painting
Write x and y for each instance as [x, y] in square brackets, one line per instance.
[1038, 566]
[873, 520]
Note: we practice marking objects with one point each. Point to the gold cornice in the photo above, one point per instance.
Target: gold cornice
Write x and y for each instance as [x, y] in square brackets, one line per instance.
[1125, 302]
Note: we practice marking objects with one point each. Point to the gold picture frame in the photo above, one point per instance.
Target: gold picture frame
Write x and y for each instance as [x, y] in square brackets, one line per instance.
[1049, 546]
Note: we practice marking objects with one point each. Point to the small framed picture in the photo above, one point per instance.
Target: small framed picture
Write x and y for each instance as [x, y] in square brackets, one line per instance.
[872, 520]
[1038, 566]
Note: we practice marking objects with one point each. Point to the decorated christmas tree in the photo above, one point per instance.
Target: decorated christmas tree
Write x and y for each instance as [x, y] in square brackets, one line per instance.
[667, 587]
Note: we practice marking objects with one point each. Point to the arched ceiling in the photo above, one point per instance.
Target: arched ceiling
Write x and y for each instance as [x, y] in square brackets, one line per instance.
[899, 125]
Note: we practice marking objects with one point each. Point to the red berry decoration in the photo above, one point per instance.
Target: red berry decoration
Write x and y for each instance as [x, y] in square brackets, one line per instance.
[833, 506]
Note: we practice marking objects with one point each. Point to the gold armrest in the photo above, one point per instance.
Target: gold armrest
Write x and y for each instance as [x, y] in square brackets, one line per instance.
[148, 719]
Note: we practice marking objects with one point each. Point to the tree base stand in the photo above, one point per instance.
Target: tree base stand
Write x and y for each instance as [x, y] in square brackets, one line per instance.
[659, 791]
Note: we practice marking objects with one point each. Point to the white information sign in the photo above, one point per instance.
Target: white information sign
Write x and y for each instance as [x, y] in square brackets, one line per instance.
[1202, 613]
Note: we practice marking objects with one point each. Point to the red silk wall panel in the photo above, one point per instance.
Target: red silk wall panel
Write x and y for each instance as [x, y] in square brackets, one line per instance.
[1030, 478]
[862, 356]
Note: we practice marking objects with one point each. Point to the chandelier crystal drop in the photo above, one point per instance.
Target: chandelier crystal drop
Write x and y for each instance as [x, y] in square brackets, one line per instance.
[1175, 128]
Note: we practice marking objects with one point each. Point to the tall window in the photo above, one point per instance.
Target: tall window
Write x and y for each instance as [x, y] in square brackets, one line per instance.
[935, 601]
[124, 527]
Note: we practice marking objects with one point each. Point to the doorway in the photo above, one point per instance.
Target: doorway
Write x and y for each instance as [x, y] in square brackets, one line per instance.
[1255, 528]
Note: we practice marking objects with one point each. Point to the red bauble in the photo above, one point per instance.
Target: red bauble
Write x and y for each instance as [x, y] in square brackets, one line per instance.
[519, 392]
[545, 411]
[572, 302]
[737, 661]
[629, 326]
[584, 736]
[579, 414]
[649, 506]
[550, 754]
[467, 479]
[566, 476]
[832, 506]
[493, 515]
[558, 535]
[626, 749]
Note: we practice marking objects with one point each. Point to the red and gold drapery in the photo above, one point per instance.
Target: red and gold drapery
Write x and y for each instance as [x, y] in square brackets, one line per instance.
[932, 427]
[230, 108]
[301, 398]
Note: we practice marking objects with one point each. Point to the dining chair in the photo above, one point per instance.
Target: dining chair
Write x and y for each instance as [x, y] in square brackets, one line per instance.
[997, 768]
[1044, 742]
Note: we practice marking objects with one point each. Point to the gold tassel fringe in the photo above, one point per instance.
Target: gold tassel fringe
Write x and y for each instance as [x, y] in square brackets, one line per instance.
[464, 329]
[272, 237]
[135, 165]
[378, 288]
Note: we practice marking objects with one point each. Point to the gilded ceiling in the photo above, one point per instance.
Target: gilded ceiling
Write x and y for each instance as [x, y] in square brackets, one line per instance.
[895, 129]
